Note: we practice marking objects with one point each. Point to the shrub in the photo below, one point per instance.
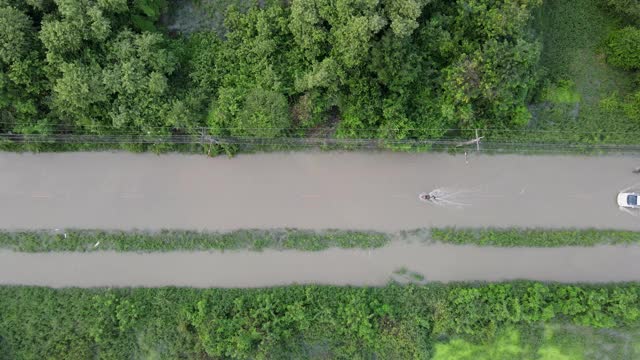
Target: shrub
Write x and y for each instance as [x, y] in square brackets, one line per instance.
[265, 114]
[623, 48]
[630, 9]
[295, 322]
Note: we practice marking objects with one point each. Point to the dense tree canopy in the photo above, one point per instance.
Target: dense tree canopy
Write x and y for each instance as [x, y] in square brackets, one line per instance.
[376, 68]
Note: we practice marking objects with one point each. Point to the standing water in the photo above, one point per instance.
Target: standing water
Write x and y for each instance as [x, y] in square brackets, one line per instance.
[446, 197]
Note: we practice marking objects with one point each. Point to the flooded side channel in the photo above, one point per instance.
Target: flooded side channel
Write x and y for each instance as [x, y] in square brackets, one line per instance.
[435, 262]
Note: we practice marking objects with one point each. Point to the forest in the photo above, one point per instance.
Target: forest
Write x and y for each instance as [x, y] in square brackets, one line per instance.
[515, 320]
[390, 69]
[366, 69]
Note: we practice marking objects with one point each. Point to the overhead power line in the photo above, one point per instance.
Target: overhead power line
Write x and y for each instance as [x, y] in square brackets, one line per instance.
[314, 142]
[141, 132]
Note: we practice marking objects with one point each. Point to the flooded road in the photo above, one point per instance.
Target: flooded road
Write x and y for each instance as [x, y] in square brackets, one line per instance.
[372, 191]
[335, 266]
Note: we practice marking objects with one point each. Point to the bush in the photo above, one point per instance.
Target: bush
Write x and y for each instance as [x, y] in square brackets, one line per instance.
[393, 322]
[623, 48]
[265, 114]
[534, 237]
[629, 9]
[171, 240]
[481, 311]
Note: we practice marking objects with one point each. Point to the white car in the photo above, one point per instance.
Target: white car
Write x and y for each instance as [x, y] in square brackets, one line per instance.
[628, 200]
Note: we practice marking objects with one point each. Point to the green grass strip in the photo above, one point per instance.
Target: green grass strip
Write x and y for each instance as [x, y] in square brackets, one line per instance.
[305, 240]
[513, 237]
[172, 240]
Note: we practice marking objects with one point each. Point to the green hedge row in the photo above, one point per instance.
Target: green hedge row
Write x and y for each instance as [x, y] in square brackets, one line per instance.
[172, 240]
[512, 237]
[280, 239]
[393, 322]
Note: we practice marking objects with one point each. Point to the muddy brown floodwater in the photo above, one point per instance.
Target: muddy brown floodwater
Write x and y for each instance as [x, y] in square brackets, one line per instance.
[375, 191]
[334, 266]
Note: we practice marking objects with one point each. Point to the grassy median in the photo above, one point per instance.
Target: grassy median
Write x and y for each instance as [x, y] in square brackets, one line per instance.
[515, 237]
[176, 240]
[304, 240]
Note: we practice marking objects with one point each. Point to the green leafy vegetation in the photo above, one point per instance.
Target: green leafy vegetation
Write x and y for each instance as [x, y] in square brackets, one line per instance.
[583, 97]
[96, 240]
[511, 237]
[313, 321]
[546, 342]
[628, 9]
[404, 276]
[389, 69]
[622, 50]
[522, 70]
[281, 239]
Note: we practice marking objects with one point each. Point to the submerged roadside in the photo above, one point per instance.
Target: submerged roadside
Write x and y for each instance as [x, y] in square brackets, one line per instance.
[399, 261]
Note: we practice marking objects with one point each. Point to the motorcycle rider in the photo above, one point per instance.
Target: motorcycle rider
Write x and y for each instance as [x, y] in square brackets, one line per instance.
[428, 197]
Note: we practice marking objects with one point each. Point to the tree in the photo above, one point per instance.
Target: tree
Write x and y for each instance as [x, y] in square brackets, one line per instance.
[15, 34]
[204, 52]
[61, 37]
[23, 85]
[325, 75]
[113, 6]
[145, 13]
[630, 9]
[80, 95]
[492, 85]
[309, 28]
[136, 80]
[403, 15]
[265, 114]
[396, 62]
[40, 5]
[353, 29]
[100, 25]
[225, 109]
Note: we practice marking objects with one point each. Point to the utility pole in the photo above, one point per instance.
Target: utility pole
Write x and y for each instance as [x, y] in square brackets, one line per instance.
[473, 141]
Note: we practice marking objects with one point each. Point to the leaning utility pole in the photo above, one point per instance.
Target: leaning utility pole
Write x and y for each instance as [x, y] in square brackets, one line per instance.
[473, 141]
